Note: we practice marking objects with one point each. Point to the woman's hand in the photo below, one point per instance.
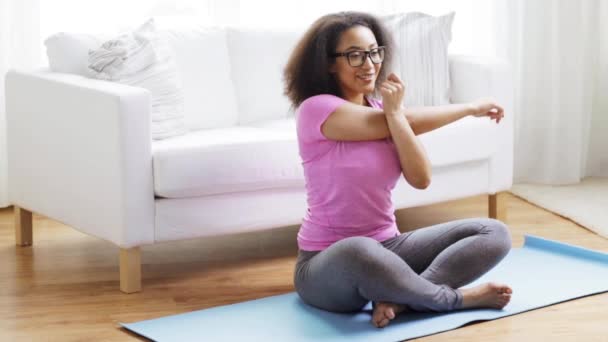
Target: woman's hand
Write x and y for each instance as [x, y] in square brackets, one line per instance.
[487, 107]
[392, 91]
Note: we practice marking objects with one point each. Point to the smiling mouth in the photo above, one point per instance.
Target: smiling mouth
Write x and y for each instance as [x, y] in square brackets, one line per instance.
[368, 77]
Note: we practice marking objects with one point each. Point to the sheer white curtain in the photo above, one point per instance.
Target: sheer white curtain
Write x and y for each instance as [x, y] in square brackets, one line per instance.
[559, 53]
[19, 34]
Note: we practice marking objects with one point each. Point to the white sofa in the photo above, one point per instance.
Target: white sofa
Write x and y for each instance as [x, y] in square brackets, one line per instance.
[79, 149]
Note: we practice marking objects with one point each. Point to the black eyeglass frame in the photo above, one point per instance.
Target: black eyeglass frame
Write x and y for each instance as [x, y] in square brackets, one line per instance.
[368, 54]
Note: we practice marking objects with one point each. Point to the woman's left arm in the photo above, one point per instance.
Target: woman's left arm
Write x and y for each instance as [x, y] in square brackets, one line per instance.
[426, 119]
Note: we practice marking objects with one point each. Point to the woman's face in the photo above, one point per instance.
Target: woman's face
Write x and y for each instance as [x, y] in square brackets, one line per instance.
[355, 80]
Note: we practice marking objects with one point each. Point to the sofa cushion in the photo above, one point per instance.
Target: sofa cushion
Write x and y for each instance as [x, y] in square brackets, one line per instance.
[257, 58]
[69, 52]
[265, 155]
[225, 160]
[462, 141]
[202, 59]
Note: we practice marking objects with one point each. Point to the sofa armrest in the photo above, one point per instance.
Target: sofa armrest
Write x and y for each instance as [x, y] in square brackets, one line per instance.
[475, 77]
[79, 152]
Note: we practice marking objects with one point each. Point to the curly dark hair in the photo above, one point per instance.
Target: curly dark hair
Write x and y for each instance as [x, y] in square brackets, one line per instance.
[307, 71]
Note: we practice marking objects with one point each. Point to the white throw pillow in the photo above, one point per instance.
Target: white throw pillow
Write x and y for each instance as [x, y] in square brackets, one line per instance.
[142, 58]
[421, 56]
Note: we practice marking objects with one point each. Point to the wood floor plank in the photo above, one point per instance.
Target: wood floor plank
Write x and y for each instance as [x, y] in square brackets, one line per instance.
[66, 286]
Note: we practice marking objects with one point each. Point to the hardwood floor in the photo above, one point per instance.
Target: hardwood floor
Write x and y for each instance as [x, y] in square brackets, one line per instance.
[65, 287]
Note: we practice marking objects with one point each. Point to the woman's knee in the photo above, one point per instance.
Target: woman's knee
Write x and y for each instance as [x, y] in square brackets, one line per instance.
[500, 236]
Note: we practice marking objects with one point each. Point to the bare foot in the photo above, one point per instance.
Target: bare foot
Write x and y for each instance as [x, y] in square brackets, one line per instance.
[487, 295]
[384, 312]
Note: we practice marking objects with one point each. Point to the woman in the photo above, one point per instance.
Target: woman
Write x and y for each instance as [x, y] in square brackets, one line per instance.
[354, 148]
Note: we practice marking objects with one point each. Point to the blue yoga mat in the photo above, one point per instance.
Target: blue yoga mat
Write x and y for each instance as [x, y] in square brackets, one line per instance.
[541, 273]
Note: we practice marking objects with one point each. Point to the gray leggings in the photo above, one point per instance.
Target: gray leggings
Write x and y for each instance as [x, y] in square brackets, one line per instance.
[422, 269]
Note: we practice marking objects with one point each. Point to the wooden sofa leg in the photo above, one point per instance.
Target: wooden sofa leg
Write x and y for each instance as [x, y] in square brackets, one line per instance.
[497, 206]
[23, 226]
[130, 270]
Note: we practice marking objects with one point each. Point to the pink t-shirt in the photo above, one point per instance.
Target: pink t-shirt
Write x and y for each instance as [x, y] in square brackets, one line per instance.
[348, 183]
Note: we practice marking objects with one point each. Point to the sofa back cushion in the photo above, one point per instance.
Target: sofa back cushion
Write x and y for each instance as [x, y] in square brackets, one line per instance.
[257, 58]
[234, 76]
[68, 52]
[204, 64]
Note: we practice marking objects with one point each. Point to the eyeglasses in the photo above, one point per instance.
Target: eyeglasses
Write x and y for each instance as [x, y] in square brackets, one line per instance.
[357, 58]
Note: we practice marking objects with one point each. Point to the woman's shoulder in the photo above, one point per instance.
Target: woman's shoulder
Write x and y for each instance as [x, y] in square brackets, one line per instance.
[322, 98]
[320, 102]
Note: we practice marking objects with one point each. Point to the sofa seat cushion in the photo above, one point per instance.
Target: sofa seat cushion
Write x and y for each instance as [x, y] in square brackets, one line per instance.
[264, 155]
[465, 140]
[225, 160]
[462, 141]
